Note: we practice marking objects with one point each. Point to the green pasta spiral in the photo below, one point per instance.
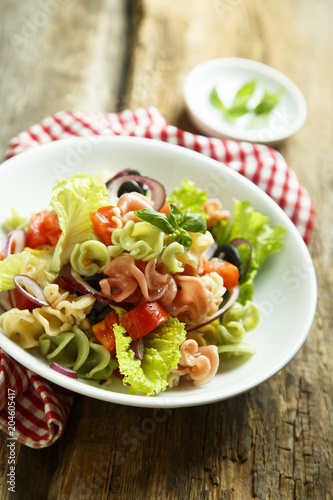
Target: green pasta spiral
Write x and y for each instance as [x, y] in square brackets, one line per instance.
[74, 350]
[90, 257]
[141, 241]
[230, 336]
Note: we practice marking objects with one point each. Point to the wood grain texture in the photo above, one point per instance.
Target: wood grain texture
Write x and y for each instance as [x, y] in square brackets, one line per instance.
[60, 55]
[276, 440]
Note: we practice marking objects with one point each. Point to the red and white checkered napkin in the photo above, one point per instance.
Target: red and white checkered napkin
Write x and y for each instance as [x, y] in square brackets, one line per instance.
[32, 410]
[41, 408]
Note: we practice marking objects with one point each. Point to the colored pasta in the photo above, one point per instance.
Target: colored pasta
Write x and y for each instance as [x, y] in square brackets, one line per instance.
[119, 283]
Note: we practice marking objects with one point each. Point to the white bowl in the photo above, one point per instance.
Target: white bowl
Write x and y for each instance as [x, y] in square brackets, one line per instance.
[285, 289]
[228, 75]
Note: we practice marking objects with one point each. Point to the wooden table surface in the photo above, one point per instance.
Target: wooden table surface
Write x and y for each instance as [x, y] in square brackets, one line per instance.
[106, 55]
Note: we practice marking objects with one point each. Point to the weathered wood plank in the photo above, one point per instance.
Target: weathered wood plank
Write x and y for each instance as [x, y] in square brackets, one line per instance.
[60, 55]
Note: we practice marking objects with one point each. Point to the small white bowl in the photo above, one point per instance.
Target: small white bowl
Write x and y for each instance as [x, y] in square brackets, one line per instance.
[228, 75]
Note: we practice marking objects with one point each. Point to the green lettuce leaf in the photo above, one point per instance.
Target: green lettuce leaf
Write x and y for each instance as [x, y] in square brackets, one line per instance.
[264, 239]
[73, 199]
[31, 262]
[189, 198]
[161, 355]
[8, 268]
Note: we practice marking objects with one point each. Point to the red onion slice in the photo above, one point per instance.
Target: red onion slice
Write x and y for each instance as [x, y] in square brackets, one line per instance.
[75, 281]
[209, 253]
[236, 242]
[18, 238]
[158, 194]
[120, 174]
[139, 349]
[234, 294]
[63, 370]
[32, 291]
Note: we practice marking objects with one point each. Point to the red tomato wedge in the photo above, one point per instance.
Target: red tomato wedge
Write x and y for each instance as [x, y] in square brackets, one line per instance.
[228, 271]
[102, 220]
[143, 319]
[22, 302]
[43, 229]
[165, 209]
[103, 331]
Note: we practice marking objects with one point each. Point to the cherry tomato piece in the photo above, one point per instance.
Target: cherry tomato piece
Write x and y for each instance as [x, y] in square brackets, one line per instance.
[103, 331]
[43, 229]
[143, 319]
[228, 271]
[103, 220]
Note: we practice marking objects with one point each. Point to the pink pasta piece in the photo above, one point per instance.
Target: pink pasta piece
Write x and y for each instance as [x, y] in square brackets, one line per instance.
[136, 281]
[215, 213]
[211, 353]
[180, 371]
[188, 353]
[200, 370]
[199, 363]
[191, 303]
[160, 282]
[128, 203]
[125, 286]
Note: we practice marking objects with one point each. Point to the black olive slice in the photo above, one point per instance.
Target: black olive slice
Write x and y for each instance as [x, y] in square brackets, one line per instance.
[228, 253]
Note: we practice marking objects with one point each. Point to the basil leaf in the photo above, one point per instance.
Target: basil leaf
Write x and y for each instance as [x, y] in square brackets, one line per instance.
[235, 113]
[216, 101]
[176, 215]
[182, 237]
[177, 223]
[239, 106]
[162, 221]
[195, 223]
[268, 102]
[242, 97]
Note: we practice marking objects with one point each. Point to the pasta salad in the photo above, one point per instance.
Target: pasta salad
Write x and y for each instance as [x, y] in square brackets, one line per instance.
[118, 279]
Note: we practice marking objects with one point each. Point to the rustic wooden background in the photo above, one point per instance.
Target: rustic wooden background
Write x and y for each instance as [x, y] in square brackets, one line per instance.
[106, 55]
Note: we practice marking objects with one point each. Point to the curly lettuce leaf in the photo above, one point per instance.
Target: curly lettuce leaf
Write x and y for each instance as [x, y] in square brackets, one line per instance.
[189, 198]
[254, 227]
[73, 200]
[161, 355]
[8, 268]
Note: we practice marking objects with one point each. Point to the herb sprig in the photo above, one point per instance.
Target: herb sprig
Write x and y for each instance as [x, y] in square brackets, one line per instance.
[240, 105]
[177, 224]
